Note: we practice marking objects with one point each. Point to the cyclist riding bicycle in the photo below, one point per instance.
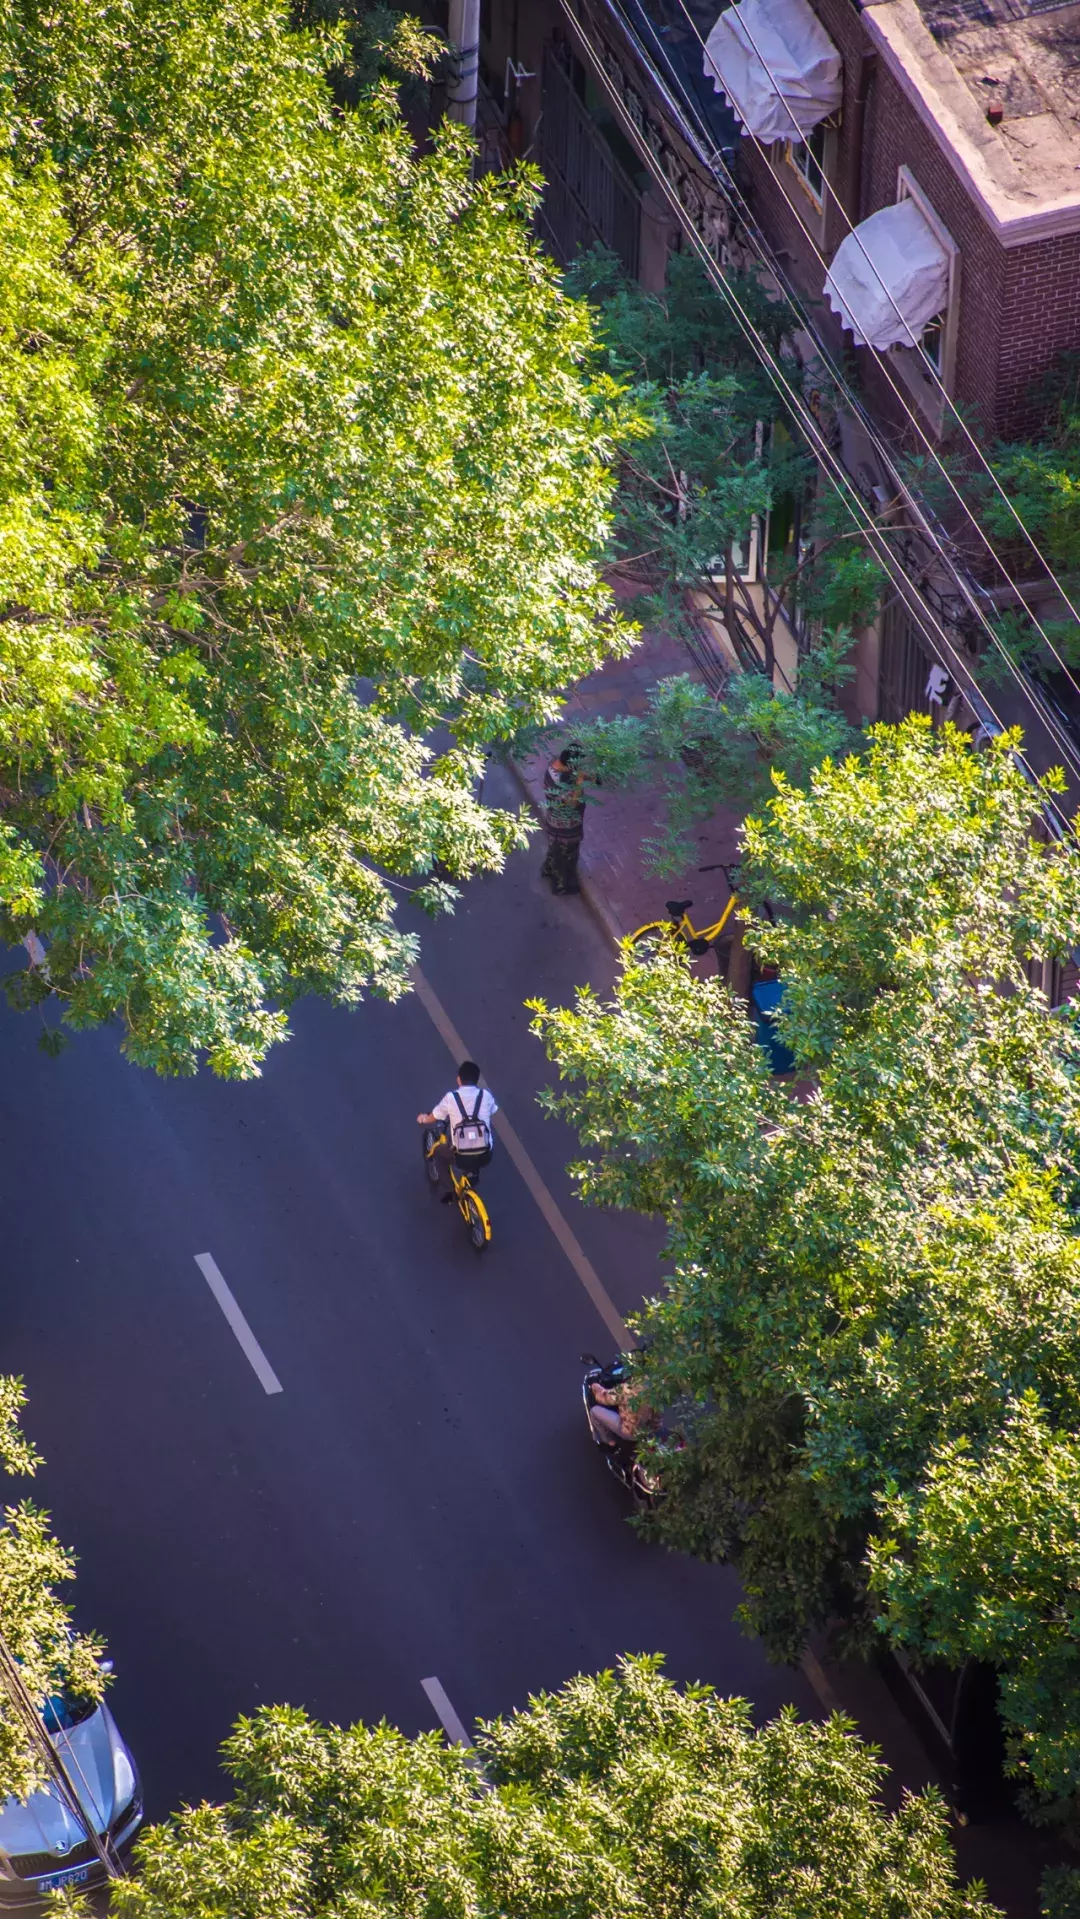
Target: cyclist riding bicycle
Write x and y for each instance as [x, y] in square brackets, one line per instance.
[465, 1115]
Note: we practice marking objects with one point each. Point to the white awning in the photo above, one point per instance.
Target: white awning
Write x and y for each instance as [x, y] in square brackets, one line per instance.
[889, 278]
[776, 64]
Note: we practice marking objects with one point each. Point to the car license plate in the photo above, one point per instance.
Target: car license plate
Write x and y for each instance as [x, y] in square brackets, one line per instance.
[74, 1876]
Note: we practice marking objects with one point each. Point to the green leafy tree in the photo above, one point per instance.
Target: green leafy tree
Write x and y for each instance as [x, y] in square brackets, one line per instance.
[993, 1538]
[301, 463]
[714, 454]
[872, 1325]
[617, 1794]
[709, 456]
[1040, 481]
[1061, 1893]
[34, 1621]
[381, 41]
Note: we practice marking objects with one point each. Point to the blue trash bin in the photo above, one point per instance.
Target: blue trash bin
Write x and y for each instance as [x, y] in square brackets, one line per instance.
[767, 998]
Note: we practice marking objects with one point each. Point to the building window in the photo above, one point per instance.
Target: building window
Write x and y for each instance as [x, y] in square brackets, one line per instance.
[808, 157]
[928, 370]
[812, 161]
[933, 342]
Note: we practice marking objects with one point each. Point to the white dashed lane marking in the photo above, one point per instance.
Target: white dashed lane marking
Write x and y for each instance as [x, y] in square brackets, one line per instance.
[452, 1726]
[246, 1339]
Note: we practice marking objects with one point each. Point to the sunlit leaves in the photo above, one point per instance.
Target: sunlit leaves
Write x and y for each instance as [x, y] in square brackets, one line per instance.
[702, 751]
[988, 1545]
[306, 462]
[34, 1621]
[616, 1794]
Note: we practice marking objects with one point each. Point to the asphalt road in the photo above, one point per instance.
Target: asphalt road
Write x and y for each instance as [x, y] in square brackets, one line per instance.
[421, 1498]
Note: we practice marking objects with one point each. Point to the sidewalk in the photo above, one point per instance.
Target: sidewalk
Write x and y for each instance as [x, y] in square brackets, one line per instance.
[614, 881]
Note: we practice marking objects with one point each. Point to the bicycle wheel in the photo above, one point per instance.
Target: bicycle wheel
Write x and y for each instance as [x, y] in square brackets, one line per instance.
[431, 1164]
[650, 939]
[478, 1222]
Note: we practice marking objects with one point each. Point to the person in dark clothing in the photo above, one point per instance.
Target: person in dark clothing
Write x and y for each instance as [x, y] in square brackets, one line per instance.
[564, 819]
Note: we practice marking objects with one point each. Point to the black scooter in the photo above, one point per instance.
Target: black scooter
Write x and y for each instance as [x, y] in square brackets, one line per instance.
[620, 1454]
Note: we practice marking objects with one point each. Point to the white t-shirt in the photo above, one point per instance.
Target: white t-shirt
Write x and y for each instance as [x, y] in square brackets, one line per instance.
[448, 1108]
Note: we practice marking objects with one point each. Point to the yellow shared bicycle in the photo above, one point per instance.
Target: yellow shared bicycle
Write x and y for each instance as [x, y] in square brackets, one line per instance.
[679, 927]
[469, 1203]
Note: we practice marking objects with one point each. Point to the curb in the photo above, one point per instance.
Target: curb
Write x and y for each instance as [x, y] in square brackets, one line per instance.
[591, 893]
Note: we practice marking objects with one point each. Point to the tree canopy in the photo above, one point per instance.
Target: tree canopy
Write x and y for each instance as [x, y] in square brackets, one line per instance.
[717, 491]
[618, 1794]
[874, 1304]
[302, 467]
[701, 750]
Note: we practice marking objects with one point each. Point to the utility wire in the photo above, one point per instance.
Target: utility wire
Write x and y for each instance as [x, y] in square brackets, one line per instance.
[927, 621]
[964, 586]
[853, 231]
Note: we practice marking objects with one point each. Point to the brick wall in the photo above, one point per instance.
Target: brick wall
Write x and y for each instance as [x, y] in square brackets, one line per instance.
[1040, 319]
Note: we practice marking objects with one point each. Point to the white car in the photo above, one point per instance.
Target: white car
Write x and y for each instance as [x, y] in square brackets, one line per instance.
[42, 1844]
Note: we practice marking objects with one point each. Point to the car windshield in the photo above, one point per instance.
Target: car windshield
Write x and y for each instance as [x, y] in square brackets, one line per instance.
[60, 1712]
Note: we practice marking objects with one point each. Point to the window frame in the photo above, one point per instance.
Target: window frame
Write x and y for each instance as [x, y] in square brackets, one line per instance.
[912, 362]
[821, 165]
[813, 213]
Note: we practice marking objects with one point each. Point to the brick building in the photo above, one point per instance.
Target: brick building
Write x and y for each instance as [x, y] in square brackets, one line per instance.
[972, 107]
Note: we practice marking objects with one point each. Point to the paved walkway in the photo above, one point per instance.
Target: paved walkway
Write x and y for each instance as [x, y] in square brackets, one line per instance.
[615, 882]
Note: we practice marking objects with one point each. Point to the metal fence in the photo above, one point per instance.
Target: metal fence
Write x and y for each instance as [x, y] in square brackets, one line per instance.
[589, 198]
[905, 666]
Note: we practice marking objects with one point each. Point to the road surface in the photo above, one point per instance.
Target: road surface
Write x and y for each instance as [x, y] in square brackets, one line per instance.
[419, 1500]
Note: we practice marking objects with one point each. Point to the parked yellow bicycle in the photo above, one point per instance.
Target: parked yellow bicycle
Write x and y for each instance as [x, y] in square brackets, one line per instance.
[679, 926]
[470, 1205]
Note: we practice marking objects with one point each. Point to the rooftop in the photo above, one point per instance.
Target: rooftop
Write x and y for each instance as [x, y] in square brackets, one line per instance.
[943, 16]
[957, 59]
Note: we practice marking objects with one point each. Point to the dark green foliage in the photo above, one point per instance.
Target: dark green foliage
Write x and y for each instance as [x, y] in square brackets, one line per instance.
[1061, 1893]
[712, 460]
[1040, 478]
[720, 453]
[382, 40]
[704, 752]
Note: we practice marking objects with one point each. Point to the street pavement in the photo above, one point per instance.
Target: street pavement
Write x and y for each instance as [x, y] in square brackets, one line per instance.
[420, 1500]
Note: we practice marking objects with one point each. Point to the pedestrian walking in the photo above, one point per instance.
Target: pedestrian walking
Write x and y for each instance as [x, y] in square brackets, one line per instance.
[564, 819]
